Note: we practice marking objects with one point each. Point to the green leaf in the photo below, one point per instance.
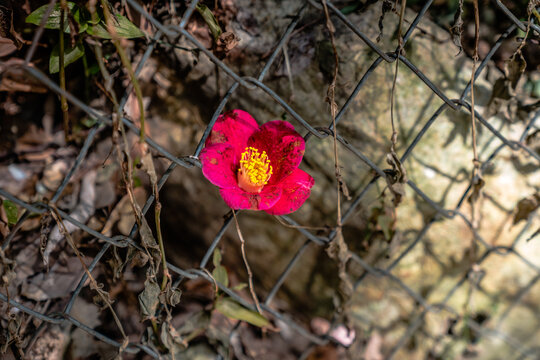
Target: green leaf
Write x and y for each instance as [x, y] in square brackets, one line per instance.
[386, 223]
[70, 56]
[53, 21]
[346, 10]
[234, 310]
[219, 273]
[210, 20]
[240, 286]
[217, 257]
[124, 28]
[12, 212]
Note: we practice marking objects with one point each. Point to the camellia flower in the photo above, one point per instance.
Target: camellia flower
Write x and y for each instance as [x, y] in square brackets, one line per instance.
[256, 167]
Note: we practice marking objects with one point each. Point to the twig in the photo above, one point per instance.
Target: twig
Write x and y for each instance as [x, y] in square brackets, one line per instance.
[157, 217]
[393, 139]
[62, 73]
[476, 162]
[244, 257]
[338, 249]
[331, 92]
[126, 163]
[299, 226]
[126, 63]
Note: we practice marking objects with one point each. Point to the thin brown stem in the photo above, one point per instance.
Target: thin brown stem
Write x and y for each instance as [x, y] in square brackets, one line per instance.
[331, 98]
[62, 73]
[157, 216]
[127, 65]
[248, 269]
[476, 180]
[393, 138]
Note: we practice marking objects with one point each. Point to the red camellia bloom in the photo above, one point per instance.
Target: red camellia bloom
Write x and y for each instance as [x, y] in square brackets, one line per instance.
[256, 167]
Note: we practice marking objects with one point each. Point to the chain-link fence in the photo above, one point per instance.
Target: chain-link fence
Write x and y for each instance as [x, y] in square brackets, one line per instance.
[172, 34]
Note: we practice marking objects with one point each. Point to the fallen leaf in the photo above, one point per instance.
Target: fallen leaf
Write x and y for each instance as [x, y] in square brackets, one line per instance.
[60, 281]
[7, 46]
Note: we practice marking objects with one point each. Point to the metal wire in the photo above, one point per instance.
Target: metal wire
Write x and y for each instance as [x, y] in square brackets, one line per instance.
[173, 33]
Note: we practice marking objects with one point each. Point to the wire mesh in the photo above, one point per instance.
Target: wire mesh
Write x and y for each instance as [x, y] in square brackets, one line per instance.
[424, 307]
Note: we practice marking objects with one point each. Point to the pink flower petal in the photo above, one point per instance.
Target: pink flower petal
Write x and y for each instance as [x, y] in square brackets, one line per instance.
[239, 199]
[219, 165]
[296, 189]
[234, 128]
[284, 146]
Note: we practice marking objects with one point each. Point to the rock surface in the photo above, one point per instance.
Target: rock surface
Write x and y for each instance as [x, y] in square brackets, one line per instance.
[440, 166]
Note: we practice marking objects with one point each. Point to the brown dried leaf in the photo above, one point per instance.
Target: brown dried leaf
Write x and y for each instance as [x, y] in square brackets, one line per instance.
[526, 206]
[457, 29]
[149, 298]
[476, 189]
[148, 166]
[515, 67]
[396, 178]
[225, 43]
[15, 78]
[123, 213]
[339, 251]
[7, 46]
[385, 7]
[503, 98]
[60, 281]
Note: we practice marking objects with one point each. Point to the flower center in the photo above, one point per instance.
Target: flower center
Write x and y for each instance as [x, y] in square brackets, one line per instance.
[255, 170]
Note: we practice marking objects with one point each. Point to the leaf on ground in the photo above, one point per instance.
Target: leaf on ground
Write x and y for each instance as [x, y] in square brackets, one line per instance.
[230, 308]
[149, 299]
[210, 20]
[71, 54]
[7, 46]
[12, 213]
[526, 207]
[123, 27]
[225, 43]
[61, 279]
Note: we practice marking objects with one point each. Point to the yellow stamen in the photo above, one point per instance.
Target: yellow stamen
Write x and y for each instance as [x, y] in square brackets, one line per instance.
[255, 170]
